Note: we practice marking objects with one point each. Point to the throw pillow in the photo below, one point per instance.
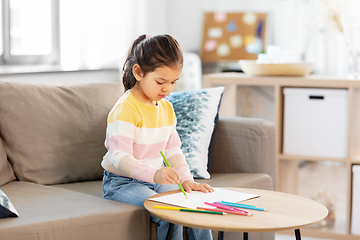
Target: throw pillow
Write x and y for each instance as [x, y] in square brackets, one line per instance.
[7, 209]
[197, 114]
[55, 134]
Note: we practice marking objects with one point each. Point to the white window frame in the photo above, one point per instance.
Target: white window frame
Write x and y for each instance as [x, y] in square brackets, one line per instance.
[51, 59]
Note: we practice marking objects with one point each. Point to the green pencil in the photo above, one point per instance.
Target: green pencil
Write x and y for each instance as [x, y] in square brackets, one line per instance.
[190, 210]
[168, 164]
[210, 212]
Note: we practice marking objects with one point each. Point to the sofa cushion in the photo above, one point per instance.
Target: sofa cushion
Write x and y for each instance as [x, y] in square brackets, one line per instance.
[48, 212]
[54, 134]
[93, 188]
[239, 180]
[6, 172]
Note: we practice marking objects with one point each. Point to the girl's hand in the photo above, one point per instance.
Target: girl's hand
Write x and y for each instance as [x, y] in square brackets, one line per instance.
[202, 187]
[166, 175]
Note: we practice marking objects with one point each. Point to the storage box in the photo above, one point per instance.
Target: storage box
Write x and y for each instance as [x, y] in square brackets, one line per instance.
[315, 122]
[355, 212]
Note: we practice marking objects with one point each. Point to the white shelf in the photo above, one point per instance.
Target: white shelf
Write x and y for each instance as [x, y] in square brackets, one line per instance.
[287, 165]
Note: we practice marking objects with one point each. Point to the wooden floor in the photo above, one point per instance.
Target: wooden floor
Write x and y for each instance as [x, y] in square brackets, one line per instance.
[289, 237]
[325, 176]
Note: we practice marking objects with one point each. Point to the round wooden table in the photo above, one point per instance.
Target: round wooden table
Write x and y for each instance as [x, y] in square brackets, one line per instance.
[286, 211]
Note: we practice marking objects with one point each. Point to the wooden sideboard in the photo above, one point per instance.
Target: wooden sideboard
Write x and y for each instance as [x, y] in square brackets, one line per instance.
[287, 165]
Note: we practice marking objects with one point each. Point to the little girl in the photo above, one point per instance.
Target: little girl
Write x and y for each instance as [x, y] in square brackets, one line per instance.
[140, 125]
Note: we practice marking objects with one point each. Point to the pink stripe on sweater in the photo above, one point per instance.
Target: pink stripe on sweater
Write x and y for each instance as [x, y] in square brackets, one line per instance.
[143, 151]
[174, 141]
[143, 172]
[140, 151]
[184, 172]
[119, 143]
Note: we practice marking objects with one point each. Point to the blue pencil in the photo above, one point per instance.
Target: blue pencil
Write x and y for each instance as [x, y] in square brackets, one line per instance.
[239, 205]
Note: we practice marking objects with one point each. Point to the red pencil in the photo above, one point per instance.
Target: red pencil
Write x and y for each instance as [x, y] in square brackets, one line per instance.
[225, 211]
[222, 206]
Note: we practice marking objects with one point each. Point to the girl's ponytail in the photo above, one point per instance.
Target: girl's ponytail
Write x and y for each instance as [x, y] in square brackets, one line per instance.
[151, 52]
[128, 77]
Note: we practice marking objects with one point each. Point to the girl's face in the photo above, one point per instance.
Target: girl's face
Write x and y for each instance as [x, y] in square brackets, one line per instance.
[155, 85]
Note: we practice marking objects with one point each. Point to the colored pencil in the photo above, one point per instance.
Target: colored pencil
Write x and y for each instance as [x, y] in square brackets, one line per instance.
[225, 211]
[239, 205]
[168, 164]
[222, 206]
[190, 210]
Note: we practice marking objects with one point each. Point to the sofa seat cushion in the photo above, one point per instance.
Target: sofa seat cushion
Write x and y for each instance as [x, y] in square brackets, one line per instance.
[53, 213]
[239, 180]
[93, 188]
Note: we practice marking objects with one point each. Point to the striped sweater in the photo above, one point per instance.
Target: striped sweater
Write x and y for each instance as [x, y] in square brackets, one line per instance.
[135, 135]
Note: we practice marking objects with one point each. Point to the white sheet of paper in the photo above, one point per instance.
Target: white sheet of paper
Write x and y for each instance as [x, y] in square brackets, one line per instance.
[197, 199]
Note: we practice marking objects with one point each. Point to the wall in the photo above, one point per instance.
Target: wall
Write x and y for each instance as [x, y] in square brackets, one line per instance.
[291, 27]
[97, 34]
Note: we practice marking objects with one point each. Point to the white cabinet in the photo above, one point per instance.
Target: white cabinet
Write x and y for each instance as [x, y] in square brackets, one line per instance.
[316, 122]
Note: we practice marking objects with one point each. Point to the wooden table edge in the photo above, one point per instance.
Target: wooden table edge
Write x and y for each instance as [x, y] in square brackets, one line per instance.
[230, 229]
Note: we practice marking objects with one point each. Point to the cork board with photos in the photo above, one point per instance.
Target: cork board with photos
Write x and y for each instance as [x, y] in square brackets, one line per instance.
[232, 36]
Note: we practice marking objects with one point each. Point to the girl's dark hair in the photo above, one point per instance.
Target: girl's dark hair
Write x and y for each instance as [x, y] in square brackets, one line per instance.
[151, 53]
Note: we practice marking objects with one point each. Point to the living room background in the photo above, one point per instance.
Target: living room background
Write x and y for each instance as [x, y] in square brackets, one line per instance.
[96, 34]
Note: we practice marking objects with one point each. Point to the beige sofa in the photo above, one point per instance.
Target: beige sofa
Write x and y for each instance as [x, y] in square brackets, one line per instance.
[51, 146]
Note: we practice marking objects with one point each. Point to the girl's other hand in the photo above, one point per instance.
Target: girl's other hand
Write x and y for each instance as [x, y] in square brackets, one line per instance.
[166, 175]
[202, 187]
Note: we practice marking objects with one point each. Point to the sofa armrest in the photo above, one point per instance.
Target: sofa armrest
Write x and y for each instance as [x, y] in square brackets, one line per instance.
[244, 145]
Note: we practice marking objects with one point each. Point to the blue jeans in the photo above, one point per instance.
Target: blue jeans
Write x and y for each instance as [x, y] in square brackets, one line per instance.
[132, 191]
